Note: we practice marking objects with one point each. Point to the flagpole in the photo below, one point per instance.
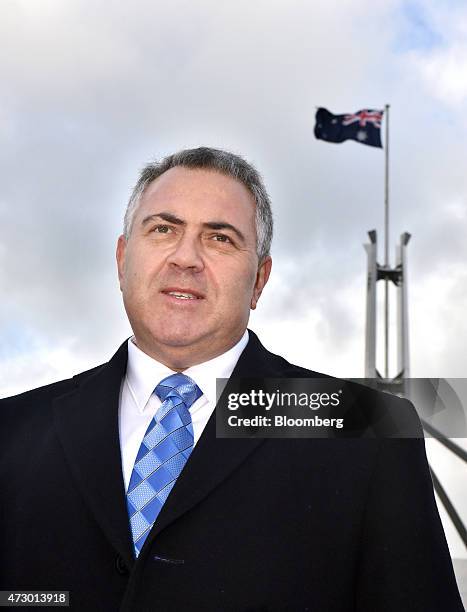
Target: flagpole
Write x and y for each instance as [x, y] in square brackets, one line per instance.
[386, 244]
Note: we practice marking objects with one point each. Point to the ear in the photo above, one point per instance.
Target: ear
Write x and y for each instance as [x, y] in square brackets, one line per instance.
[120, 255]
[262, 276]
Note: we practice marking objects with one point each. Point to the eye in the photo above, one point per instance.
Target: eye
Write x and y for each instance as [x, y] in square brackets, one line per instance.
[221, 238]
[162, 229]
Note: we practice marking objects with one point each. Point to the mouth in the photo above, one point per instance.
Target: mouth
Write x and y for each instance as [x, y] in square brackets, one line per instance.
[182, 294]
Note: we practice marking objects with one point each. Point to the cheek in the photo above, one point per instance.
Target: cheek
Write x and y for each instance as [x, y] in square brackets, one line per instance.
[237, 286]
[141, 269]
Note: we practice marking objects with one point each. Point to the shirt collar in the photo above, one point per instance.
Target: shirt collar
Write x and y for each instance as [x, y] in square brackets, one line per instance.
[144, 373]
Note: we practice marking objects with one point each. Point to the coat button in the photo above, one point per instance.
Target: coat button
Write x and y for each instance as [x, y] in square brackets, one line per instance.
[121, 566]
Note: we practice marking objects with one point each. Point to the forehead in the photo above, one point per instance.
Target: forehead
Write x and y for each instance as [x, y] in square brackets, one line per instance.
[199, 194]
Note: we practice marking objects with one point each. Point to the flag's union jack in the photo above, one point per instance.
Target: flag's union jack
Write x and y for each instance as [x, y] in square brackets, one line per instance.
[363, 117]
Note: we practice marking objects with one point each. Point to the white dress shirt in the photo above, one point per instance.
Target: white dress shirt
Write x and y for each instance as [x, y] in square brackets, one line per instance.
[139, 403]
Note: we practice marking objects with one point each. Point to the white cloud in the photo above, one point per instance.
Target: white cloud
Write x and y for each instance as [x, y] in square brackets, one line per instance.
[444, 73]
[442, 68]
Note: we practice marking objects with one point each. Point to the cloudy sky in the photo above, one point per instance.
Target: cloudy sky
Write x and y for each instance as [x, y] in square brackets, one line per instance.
[91, 91]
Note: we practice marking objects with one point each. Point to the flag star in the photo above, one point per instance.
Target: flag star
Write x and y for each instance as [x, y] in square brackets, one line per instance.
[362, 135]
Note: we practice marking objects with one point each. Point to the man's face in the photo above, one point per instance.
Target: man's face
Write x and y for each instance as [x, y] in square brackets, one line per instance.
[189, 271]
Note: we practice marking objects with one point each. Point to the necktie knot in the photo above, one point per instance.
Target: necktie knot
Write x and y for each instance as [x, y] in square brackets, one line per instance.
[178, 385]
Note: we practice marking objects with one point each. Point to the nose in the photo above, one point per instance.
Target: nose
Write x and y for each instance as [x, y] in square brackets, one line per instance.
[186, 254]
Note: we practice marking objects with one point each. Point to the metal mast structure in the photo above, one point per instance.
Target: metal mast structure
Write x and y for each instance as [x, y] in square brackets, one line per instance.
[399, 384]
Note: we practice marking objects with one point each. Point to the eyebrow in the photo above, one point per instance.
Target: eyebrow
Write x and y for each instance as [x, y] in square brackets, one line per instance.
[214, 225]
[165, 217]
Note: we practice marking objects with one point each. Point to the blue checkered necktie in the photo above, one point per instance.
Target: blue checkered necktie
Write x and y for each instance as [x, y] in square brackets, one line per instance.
[165, 448]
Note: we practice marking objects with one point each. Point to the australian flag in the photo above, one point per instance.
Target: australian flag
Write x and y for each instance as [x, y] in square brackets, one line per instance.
[363, 126]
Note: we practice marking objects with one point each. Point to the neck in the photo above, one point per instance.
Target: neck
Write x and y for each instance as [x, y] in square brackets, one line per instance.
[180, 358]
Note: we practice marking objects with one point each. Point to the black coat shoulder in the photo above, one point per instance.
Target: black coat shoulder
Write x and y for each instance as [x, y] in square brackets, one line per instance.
[368, 411]
[47, 392]
[32, 411]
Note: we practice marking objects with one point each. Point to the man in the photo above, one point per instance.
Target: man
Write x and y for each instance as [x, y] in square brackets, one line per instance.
[91, 505]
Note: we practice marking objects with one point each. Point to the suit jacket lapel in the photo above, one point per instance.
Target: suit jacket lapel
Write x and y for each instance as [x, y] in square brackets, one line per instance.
[213, 459]
[87, 424]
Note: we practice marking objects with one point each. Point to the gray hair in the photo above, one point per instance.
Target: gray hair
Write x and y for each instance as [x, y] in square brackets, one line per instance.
[210, 159]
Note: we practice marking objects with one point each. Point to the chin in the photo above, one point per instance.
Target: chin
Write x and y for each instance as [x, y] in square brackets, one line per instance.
[177, 337]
